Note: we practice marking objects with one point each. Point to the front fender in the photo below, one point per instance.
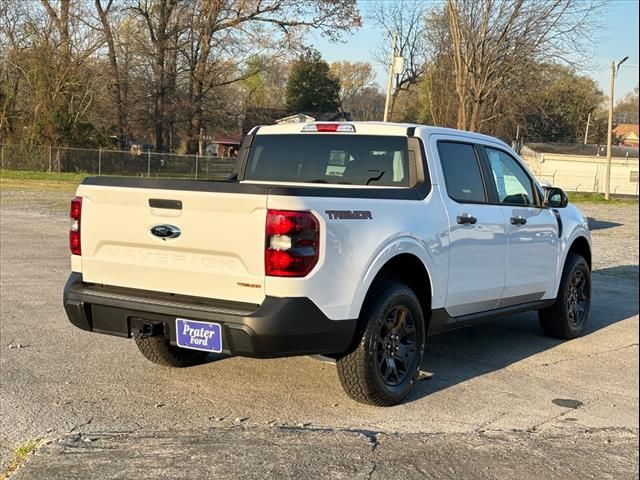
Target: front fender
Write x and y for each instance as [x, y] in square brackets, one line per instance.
[575, 225]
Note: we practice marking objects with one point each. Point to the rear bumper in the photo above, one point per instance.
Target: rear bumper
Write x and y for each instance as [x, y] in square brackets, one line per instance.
[279, 327]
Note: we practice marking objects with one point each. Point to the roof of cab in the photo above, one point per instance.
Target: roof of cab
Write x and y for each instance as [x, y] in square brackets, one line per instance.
[378, 128]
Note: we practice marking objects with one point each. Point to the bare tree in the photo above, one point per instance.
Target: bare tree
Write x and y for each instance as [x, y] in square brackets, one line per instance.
[407, 21]
[45, 45]
[117, 89]
[368, 105]
[161, 69]
[491, 40]
[214, 37]
[354, 77]
[160, 20]
[221, 31]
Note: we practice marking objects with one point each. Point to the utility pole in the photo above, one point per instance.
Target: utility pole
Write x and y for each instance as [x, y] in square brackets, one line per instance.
[586, 132]
[607, 178]
[390, 80]
[612, 77]
[201, 141]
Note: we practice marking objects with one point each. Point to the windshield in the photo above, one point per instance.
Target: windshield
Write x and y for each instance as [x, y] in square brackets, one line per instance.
[327, 158]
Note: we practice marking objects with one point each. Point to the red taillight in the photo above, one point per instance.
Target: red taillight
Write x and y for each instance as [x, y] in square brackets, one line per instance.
[292, 243]
[283, 223]
[329, 127]
[74, 232]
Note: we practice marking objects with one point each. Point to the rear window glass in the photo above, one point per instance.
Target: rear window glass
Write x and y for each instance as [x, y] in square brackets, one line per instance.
[326, 158]
[461, 172]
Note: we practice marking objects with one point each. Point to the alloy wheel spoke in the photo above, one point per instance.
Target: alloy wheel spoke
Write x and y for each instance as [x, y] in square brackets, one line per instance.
[392, 368]
[408, 330]
[405, 350]
[401, 315]
[396, 346]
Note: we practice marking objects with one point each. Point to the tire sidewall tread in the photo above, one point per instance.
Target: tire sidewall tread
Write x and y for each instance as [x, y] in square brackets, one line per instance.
[357, 370]
[555, 319]
[157, 349]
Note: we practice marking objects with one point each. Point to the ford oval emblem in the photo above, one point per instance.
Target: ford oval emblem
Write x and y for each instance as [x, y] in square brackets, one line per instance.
[165, 231]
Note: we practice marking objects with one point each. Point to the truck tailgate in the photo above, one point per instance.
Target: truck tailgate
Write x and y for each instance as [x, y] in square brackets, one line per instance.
[219, 253]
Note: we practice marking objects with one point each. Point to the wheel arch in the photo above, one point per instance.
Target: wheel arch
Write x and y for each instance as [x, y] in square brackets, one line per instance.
[405, 266]
[580, 246]
[408, 269]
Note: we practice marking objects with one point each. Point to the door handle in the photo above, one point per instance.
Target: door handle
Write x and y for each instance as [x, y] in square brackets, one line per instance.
[518, 220]
[466, 219]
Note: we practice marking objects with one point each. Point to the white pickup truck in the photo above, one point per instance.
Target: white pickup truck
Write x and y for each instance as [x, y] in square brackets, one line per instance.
[349, 240]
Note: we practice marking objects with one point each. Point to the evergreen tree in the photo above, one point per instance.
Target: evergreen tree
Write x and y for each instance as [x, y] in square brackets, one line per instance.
[311, 86]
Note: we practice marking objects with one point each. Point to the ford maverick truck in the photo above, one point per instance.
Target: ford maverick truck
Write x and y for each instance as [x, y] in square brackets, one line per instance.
[351, 240]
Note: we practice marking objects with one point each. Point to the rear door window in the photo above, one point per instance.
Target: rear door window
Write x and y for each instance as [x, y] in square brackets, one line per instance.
[373, 160]
[462, 173]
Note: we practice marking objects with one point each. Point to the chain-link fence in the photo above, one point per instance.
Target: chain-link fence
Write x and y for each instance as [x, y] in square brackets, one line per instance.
[114, 162]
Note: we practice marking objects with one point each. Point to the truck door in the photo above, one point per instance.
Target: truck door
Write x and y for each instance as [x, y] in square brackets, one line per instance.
[532, 231]
[477, 231]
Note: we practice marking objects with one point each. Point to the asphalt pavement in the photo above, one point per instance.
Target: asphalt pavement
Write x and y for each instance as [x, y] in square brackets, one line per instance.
[503, 401]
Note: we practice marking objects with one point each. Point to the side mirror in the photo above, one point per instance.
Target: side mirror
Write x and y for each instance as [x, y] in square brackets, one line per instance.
[555, 197]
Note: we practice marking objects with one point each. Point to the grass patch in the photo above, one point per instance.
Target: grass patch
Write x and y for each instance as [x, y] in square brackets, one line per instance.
[581, 197]
[41, 181]
[20, 454]
[50, 177]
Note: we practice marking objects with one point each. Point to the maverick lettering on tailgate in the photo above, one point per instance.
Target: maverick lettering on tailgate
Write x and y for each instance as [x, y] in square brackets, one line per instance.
[349, 214]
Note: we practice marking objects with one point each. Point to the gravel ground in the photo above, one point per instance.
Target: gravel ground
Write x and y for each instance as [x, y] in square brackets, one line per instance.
[45, 203]
[616, 229]
[503, 402]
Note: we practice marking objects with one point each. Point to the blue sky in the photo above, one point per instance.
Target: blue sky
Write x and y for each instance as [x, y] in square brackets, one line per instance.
[617, 38]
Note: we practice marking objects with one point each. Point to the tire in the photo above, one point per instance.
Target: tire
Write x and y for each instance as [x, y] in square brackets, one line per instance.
[567, 317]
[158, 350]
[376, 372]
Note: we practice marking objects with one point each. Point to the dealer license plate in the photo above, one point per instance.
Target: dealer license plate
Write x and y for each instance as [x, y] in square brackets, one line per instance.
[196, 335]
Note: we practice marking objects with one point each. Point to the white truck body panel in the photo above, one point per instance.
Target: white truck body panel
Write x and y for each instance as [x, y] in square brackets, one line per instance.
[353, 252]
[219, 250]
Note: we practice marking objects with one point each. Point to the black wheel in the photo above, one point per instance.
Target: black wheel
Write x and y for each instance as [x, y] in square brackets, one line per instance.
[384, 365]
[160, 351]
[567, 317]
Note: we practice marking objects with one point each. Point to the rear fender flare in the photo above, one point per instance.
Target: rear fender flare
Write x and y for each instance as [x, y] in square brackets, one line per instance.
[391, 248]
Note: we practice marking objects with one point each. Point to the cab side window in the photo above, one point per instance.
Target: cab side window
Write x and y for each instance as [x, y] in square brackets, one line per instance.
[462, 173]
[512, 182]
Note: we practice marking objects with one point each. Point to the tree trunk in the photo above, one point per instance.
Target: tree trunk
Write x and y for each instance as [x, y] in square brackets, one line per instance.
[117, 87]
[206, 29]
[460, 66]
[159, 35]
[475, 115]
[196, 114]
[158, 106]
[170, 94]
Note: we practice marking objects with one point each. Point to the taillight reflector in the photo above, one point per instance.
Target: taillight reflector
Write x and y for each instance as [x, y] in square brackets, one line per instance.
[292, 244]
[75, 213]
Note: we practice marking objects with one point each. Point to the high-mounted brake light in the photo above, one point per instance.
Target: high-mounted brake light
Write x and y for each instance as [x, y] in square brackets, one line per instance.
[292, 245]
[75, 213]
[329, 127]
